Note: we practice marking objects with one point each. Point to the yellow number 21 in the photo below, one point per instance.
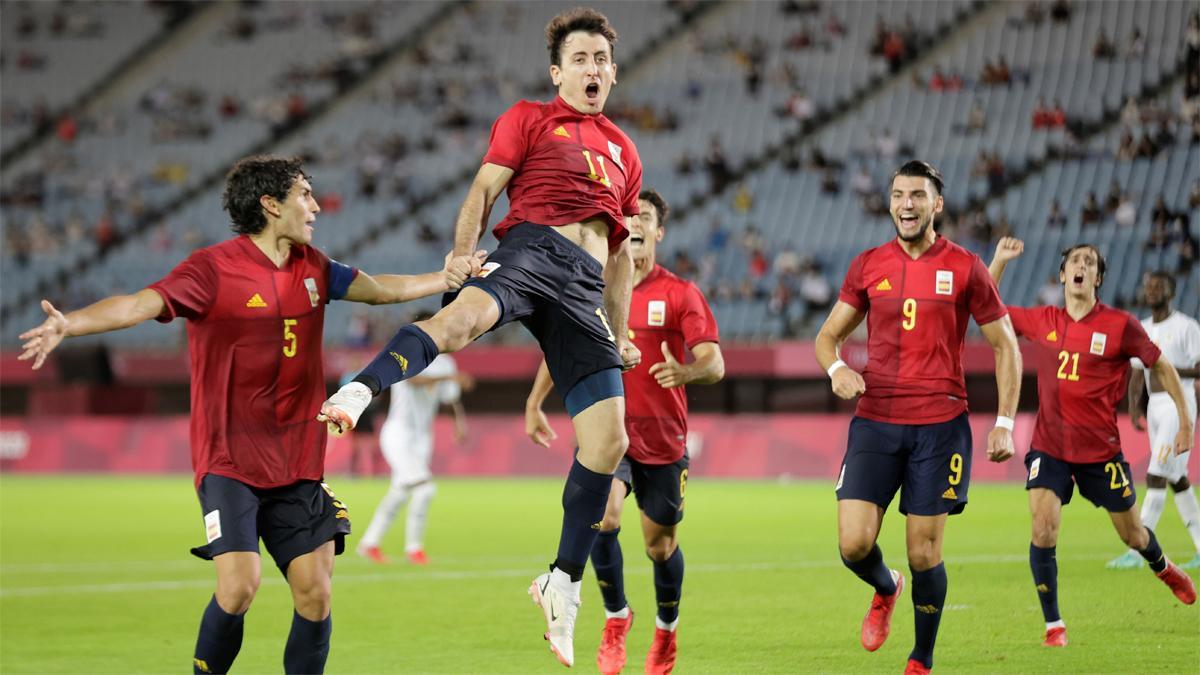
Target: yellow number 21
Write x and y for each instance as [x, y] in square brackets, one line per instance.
[910, 313]
[1065, 358]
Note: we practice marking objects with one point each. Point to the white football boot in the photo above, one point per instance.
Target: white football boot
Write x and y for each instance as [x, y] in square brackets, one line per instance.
[341, 412]
[560, 607]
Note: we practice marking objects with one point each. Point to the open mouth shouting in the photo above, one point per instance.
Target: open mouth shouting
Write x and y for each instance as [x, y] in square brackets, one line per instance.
[592, 92]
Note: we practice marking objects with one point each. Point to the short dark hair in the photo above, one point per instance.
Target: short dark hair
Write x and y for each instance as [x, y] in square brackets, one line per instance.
[921, 169]
[660, 205]
[1101, 266]
[1167, 278]
[250, 179]
[581, 18]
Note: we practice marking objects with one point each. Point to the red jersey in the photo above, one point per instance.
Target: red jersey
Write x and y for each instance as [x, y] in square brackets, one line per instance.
[254, 342]
[1081, 368]
[917, 312]
[663, 307]
[569, 167]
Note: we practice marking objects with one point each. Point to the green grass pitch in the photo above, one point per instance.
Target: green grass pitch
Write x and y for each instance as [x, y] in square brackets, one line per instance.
[95, 577]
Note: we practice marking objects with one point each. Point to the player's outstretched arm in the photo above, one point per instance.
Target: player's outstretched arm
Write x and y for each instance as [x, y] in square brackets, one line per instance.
[1137, 384]
[1007, 250]
[383, 289]
[1169, 378]
[841, 322]
[1000, 335]
[618, 288]
[537, 427]
[489, 182]
[707, 366]
[112, 313]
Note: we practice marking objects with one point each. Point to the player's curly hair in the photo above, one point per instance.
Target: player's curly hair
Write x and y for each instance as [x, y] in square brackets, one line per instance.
[921, 169]
[660, 205]
[581, 18]
[1101, 266]
[252, 178]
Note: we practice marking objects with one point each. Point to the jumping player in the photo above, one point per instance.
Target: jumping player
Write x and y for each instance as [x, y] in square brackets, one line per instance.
[255, 307]
[910, 430]
[563, 269]
[1083, 352]
[670, 315]
[1178, 336]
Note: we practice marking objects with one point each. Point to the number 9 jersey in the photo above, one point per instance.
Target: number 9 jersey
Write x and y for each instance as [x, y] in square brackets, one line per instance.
[254, 344]
[1081, 368]
[917, 314]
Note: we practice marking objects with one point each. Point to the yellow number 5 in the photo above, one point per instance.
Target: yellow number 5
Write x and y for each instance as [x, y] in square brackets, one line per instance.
[1073, 359]
[289, 338]
[910, 314]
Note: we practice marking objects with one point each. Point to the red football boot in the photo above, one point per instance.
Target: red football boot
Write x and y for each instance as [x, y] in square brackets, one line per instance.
[1180, 583]
[1055, 637]
[373, 554]
[610, 658]
[661, 659]
[418, 557]
[915, 667]
[878, 622]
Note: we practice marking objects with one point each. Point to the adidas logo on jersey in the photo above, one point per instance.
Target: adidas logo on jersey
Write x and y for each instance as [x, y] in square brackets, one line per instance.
[256, 301]
[1052, 336]
[949, 494]
[884, 285]
[561, 132]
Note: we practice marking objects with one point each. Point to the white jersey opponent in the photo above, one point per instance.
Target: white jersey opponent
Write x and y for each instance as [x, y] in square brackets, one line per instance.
[1178, 336]
[407, 436]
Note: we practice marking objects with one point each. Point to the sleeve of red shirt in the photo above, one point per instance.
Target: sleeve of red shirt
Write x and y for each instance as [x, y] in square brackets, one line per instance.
[1023, 321]
[189, 290]
[853, 292]
[696, 321]
[1136, 344]
[633, 187]
[508, 143]
[338, 276]
[984, 302]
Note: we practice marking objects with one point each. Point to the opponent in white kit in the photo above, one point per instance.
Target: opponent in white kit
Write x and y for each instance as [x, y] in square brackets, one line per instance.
[1178, 336]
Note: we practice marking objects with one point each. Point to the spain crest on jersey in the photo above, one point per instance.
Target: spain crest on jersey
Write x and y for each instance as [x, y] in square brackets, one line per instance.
[1099, 341]
[614, 151]
[656, 312]
[314, 297]
[944, 282]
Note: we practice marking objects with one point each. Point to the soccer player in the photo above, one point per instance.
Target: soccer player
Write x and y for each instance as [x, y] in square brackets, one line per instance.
[1083, 352]
[563, 269]
[670, 315]
[407, 443]
[1178, 336]
[255, 306]
[910, 430]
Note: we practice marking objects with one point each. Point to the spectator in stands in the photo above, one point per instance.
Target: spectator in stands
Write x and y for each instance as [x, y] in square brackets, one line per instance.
[752, 239]
[1056, 217]
[1041, 114]
[940, 81]
[1126, 148]
[1090, 213]
[887, 147]
[684, 266]
[895, 50]
[1058, 116]
[830, 183]
[800, 106]
[861, 182]
[1191, 42]
[1137, 44]
[1113, 198]
[1060, 11]
[787, 263]
[1034, 13]
[1103, 48]
[1125, 214]
[1194, 196]
[1131, 113]
[719, 172]
[976, 118]
[718, 236]
[758, 265]
[815, 290]
[743, 199]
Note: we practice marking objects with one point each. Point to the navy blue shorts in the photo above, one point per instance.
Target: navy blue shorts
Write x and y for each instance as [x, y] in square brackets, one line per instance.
[929, 463]
[556, 289]
[658, 488]
[1104, 484]
[292, 520]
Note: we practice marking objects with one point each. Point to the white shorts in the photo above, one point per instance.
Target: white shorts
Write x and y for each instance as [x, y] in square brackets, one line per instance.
[409, 455]
[1162, 421]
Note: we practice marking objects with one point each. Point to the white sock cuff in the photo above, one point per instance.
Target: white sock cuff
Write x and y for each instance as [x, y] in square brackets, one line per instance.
[1055, 624]
[659, 623]
[622, 614]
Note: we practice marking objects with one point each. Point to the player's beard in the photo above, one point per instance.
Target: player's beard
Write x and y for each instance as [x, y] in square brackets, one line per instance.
[916, 236]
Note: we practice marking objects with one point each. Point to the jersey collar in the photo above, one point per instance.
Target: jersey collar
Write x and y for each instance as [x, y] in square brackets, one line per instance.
[937, 247]
[256, 254]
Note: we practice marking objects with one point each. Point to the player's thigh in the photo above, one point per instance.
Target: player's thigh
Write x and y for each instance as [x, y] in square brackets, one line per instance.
[312, 573]
[1044, 471]
[239, 574]
[230, 510]
[1107, 484]
[600, 432]
[1162, 421]
[660, 490]
[471, 313]
[938, 475]
[300, 518]
[875, 462]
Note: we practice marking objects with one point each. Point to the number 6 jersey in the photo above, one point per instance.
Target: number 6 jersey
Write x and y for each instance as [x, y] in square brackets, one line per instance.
[254, 343]
[1081, 368]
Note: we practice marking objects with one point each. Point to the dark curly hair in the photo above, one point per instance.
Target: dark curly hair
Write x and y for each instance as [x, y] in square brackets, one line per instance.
[251, 179]
[581, 18]
[660, 205]
[1101, 265]
[918, 169]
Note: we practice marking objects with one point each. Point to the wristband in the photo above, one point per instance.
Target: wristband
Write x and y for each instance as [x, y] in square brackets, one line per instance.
[1004, 422]
[836, 364]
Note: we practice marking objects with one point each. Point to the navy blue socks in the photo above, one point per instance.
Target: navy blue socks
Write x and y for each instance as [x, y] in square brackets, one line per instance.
[608, 562]
[872, 570]
[1044, 565]
[585, 495]
[928, 598]
[668, 585]
[1153, 553]
[408, 353]
[307, 645]
[219, 641]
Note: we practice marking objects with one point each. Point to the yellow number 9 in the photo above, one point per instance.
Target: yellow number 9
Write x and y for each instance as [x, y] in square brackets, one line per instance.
[956, 467]
[910, 314]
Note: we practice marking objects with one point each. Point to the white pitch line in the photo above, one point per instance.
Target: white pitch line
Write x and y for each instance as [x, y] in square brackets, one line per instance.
[459, 575]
